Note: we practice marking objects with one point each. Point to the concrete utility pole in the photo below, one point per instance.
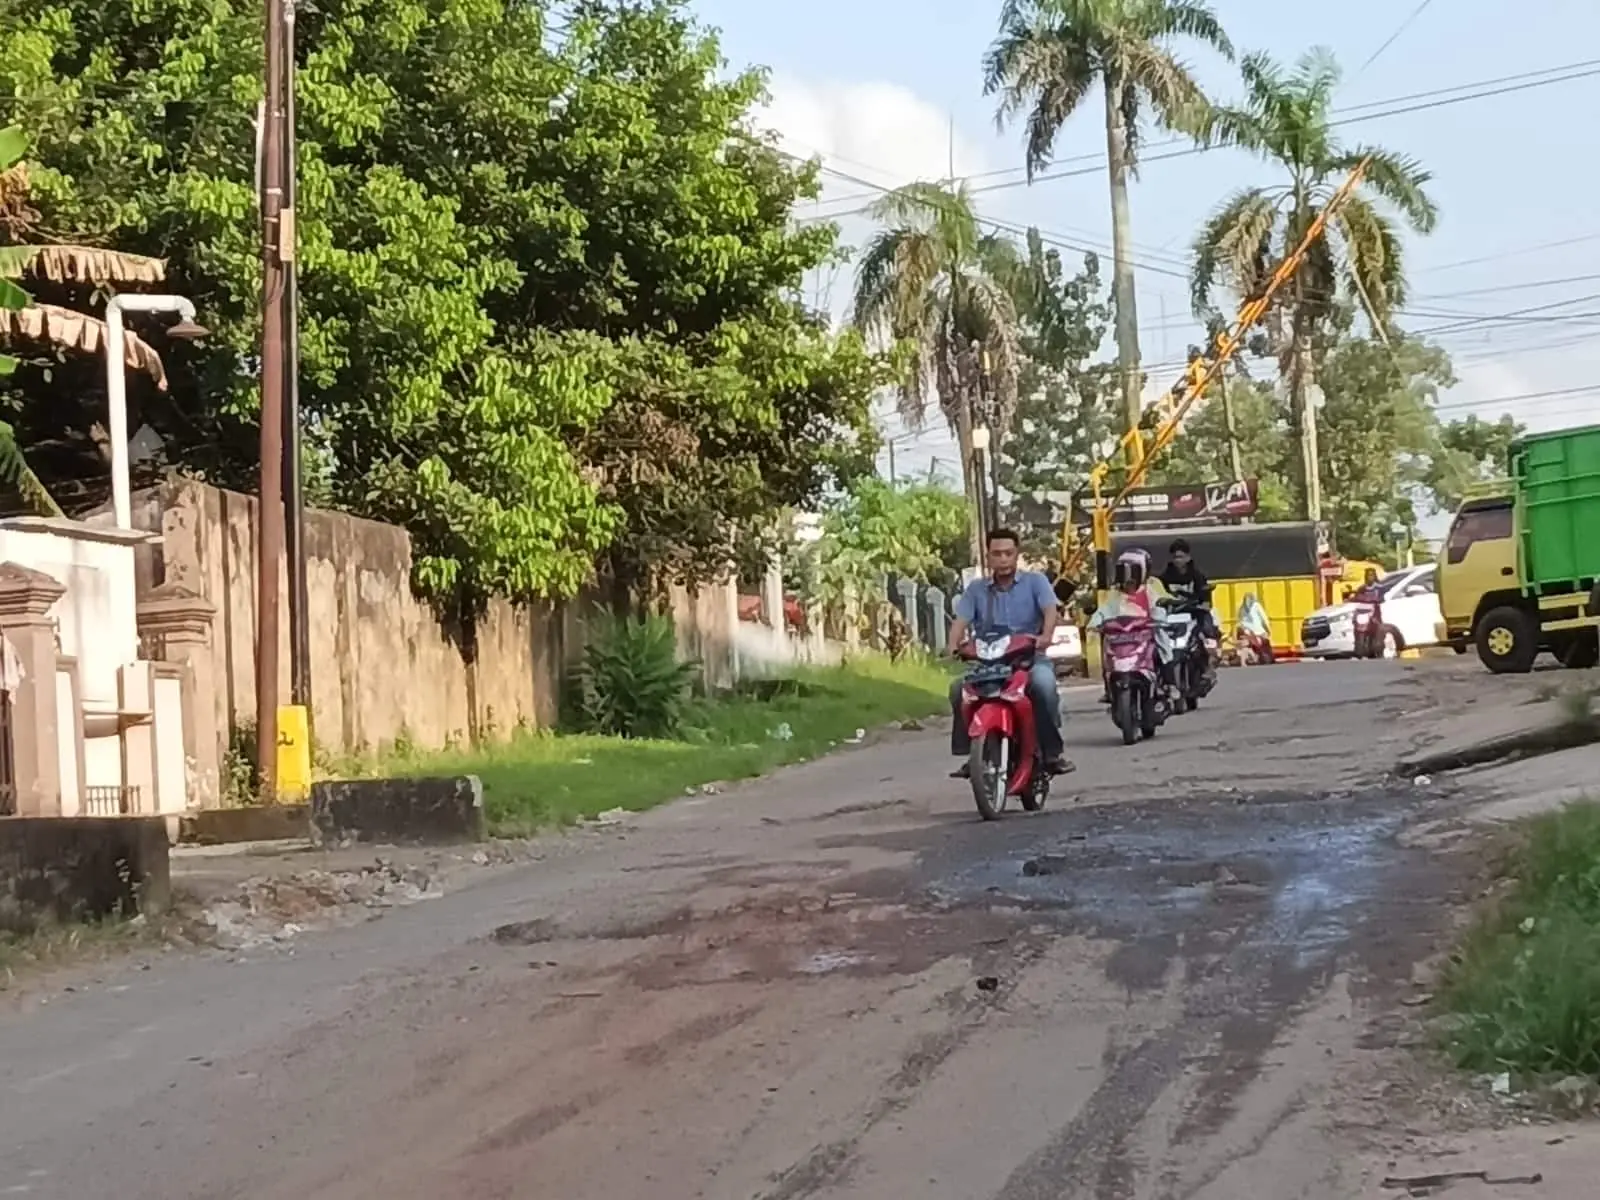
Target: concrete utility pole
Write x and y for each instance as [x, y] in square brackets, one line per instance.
[293, 493]
[277, 250]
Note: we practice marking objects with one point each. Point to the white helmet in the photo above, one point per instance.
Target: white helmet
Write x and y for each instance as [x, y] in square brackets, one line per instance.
[1133, 568]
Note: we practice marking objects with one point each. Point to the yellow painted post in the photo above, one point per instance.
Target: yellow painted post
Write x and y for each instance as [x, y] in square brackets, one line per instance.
[294, 754]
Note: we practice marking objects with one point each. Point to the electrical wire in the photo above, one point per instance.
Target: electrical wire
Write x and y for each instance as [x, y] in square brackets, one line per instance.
[1395, 36]
[1374, 110]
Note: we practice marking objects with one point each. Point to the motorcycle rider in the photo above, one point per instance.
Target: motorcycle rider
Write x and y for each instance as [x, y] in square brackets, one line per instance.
[1185, 581]
[1137, 592]
[1009, 601]
[1370, 593]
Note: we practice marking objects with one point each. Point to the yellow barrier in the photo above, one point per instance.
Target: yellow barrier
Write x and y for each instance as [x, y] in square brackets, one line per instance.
[294, 754]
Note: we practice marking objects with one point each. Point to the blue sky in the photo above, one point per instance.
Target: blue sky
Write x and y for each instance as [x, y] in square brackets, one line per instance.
[875, 87]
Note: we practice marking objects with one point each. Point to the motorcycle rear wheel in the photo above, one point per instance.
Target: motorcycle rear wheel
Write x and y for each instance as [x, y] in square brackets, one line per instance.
[1125, 711]
[989, 776]
[1148, 720]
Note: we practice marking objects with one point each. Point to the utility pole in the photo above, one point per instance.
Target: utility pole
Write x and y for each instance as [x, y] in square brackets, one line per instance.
[1227, 415]
[277, 242]
[293, 487]
[970, 479]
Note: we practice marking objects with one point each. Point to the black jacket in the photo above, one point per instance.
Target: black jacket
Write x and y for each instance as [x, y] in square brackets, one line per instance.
[1190, 585]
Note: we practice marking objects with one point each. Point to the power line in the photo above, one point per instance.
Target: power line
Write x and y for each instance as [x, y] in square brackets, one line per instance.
[1395, 36]
[1500, 256]
[1372, 110]
[1552, 394]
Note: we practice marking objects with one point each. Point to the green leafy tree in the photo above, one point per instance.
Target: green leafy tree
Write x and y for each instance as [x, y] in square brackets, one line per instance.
[1357, 263]
[1470, 451]
[1066, 410]
[1381, 436]
[879, 529]
[1044, 64]
[1203, 452]
[544, 270]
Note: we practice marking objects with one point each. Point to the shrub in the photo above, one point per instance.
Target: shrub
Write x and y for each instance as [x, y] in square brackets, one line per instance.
[1523, 992]
[629, 682]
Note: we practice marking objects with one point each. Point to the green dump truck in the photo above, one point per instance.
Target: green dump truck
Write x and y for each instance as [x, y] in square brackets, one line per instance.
[1543, 591]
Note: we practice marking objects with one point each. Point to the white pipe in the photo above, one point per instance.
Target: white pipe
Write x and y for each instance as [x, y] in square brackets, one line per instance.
[117, 390]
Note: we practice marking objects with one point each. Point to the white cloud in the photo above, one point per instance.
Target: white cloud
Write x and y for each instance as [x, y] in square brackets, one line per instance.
[879, 132]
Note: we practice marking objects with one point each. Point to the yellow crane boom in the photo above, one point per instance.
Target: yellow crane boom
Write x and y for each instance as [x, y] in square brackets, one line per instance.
[1177, 402]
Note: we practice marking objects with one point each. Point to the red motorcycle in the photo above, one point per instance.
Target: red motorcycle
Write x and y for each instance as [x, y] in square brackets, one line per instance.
[1005, 759]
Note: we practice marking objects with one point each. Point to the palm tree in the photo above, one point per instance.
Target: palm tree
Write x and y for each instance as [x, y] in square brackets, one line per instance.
[1045, 62]
[1357, 263]
[935, 283]
[21, 318]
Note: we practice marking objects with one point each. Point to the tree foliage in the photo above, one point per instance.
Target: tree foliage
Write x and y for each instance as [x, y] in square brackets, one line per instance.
[1066, 412]
[1045, 61]
[910, 530]
[49, 329]
[1050, 54]
[933, 282]
[547, 271]
[1356, 264]
[1390, 458]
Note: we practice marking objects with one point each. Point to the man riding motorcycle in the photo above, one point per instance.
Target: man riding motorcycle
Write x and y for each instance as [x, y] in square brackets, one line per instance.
[1185, 581]
[1009, 601]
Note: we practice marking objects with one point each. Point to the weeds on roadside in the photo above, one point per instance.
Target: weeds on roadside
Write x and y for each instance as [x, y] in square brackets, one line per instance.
[538, 780]
[1522, 994]
[54, 944]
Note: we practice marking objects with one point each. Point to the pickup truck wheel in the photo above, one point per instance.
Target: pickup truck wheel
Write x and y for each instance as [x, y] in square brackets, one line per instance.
[1508, 640]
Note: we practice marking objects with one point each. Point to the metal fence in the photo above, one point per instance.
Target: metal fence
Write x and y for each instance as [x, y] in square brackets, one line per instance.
[110, 801]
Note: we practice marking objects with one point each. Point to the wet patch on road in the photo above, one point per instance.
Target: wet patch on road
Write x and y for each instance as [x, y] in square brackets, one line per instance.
[1256, 902]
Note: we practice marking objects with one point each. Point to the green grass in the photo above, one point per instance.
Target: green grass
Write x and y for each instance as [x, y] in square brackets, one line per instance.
[23, 954]
[1523, 991]
[541, 780]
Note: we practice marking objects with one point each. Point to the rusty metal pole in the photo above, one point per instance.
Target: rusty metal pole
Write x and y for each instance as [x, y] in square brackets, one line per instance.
[269, 512]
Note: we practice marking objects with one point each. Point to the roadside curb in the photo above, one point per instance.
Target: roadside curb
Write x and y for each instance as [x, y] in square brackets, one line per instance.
[1548, 739]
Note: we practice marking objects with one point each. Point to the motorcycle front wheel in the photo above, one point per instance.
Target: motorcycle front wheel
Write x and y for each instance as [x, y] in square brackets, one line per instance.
[1124, 709]
[990, 775]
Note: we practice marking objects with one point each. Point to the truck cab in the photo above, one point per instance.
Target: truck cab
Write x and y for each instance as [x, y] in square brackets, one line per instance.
[1478, 566]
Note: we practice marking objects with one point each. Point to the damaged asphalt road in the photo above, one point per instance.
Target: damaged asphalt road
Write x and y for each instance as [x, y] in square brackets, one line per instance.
[834, 983]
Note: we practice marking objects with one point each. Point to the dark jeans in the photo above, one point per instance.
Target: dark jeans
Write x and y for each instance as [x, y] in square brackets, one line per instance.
[1046, 697]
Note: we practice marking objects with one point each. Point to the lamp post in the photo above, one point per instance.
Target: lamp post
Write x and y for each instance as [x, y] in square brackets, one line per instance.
[117, 384]
[980, 471]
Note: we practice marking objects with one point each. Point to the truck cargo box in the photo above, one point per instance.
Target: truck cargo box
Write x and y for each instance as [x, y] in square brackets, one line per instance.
[1557, 476]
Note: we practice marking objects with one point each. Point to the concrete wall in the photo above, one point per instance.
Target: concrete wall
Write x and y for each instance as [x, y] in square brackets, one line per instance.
[95, 618]
[76, 868]
[382, 666]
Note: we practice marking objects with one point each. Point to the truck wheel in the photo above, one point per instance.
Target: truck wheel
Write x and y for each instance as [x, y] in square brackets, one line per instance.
[1508, 640]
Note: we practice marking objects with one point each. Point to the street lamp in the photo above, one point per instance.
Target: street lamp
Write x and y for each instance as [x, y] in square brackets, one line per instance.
[117, 384]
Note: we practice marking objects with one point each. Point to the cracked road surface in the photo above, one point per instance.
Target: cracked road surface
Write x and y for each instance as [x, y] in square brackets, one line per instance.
[835, 983]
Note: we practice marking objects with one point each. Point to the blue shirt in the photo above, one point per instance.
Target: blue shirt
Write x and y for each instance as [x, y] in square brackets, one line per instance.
[1019, 608]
